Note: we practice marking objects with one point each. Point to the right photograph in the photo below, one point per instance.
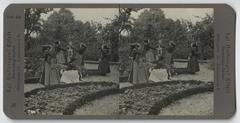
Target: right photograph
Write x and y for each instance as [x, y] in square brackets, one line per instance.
[166, 61]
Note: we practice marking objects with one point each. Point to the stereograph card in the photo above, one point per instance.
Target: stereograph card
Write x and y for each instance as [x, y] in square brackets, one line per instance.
[119, 61]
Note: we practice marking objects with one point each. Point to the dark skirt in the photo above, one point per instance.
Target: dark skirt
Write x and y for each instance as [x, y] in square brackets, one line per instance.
[79, 60]
[104, 67]
[193, 65]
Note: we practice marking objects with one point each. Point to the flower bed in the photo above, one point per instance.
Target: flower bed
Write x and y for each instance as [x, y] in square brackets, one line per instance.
[53, 100]
[142, 99]
[149, 99]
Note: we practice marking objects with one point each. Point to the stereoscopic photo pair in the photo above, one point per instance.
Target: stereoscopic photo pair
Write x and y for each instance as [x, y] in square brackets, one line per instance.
[119, 61]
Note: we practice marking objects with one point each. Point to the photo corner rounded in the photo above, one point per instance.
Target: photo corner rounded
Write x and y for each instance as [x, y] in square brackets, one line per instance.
[230, 8]
[231, 114]
[9, 6]
[227, 115]
[10, 115]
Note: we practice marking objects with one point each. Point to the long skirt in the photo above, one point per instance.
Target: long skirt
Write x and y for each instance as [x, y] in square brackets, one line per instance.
[150, 56]
[168, 58]
[79, 63]
[193, 65]
[138, 73]
[51, 75]
[149, 61]
[104, 66]
[60, 58]
[79, 60]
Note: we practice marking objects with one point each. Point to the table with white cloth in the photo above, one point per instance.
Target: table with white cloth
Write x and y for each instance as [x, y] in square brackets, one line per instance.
[158, 75]
[70, 76]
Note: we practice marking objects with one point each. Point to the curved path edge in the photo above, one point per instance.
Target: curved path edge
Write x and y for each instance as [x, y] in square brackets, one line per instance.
[52, 87]
[69, 110]
[157, 107]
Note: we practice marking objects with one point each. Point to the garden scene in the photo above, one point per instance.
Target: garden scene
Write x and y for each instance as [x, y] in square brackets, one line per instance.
[119, 61]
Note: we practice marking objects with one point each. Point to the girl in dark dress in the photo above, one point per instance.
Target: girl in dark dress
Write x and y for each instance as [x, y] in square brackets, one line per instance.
[193, 65]
[104, 66]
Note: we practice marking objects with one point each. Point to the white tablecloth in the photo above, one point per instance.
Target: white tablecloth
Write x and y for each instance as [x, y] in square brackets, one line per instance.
[70, 76]
[158, 75]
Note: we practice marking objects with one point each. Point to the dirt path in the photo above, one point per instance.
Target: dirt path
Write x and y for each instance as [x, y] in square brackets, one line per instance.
[108, 105]
[199, 104]
[29, 87]
[205, 74]
[112, 77]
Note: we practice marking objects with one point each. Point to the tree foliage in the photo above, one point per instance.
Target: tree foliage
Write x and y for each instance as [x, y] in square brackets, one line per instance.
[61, 26]
[33, 22]
[151, 24]
[204, 35]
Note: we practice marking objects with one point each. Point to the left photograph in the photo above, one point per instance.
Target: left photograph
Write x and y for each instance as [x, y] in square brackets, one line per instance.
[71, 61]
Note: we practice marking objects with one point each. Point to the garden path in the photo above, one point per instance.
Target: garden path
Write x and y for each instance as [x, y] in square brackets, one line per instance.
[198, 104]
[111, 77]
[107, 105]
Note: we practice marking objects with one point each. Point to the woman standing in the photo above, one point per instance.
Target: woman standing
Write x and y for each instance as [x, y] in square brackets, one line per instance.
[169, 58]
[148, 50]
[160, 52]
[60, 55]
[104, 66]
[50, 73]
[79, 60]
[150, 58]
[138, 72]
[70, 52]
[193, 65]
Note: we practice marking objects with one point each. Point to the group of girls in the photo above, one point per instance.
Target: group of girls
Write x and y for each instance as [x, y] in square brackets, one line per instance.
[145, 58]
[58, 59]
